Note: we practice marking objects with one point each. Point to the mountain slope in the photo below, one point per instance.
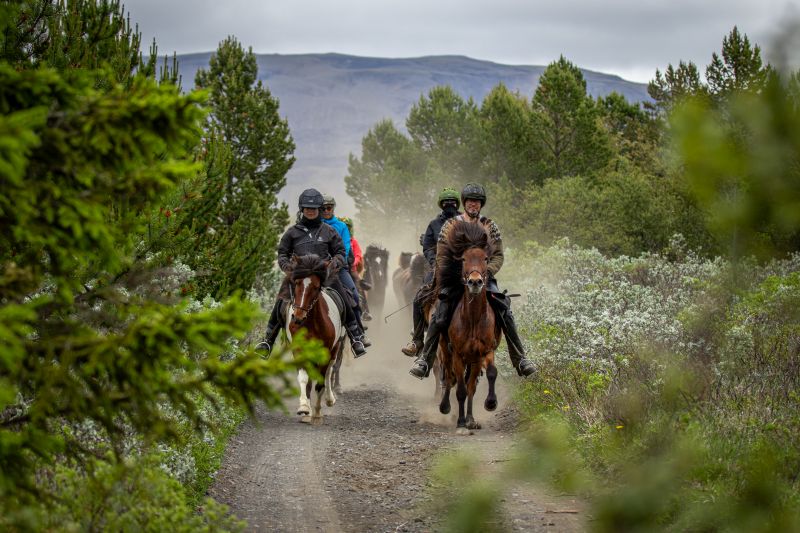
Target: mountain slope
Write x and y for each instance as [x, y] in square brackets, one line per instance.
[332, 100]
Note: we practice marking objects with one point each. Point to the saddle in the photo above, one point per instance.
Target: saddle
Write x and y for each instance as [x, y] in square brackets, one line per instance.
[337, 300]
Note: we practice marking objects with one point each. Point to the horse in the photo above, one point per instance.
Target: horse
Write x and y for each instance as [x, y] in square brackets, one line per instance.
[376, 264]
[408, 277]
[473, 334]
[313, 309]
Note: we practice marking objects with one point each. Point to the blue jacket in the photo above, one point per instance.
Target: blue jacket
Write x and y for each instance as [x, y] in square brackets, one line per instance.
[341, 229]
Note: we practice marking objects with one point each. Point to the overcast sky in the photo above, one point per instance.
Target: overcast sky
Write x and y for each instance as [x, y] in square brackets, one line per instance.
[630, 38]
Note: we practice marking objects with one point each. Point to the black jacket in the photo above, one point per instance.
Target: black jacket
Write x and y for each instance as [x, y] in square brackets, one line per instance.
[431, 237]
[300, 240]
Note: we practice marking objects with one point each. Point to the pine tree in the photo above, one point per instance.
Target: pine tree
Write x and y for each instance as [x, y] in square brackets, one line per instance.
[92, 330]
[674, 86]
[739, 69]
[565, 121]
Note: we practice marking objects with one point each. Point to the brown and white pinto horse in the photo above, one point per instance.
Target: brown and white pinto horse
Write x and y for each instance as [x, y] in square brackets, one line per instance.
[474, 334]
[315, 311]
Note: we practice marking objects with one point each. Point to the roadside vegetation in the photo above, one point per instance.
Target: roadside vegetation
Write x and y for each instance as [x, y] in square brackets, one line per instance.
[137, 234]
[658, 250]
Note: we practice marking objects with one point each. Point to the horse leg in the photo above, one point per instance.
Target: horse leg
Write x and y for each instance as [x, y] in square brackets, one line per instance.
[491, 376]
[461, 395]
[302, 379]
[337, 387]
[472, 384]
[316, 417]
[330, 397]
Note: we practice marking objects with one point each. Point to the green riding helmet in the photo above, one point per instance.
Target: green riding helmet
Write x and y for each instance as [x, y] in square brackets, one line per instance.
[348, 222]
[473, 191]
[327, 199]
[448, 193]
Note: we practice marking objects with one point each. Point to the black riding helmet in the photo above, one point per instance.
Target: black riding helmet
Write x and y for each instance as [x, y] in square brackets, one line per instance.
[310, 198]
[473, 191]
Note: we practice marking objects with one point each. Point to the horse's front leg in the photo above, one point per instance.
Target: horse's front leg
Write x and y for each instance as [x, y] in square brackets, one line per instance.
[472, 383]
[461, 395]
[337, 387]
[316, 416]
[302, 379]
[491, 376]
[331, 376]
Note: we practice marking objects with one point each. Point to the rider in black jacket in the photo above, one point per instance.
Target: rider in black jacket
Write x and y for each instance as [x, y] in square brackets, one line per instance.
[448, 203]
[311, 236]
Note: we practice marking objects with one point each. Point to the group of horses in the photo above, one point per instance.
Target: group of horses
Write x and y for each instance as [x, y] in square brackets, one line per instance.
[465, 351]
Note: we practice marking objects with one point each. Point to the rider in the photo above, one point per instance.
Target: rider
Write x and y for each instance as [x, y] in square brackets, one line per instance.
[311, 236]
[355, 262]
[473, 197]
[449, 203]
[327, 214]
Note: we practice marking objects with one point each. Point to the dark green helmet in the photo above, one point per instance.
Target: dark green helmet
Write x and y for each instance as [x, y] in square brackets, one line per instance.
[347, 222]
[310, 198]
[448, 193]
[473, 191]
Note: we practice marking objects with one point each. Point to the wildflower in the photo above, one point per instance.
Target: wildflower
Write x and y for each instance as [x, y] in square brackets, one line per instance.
[620, 426]
[546, 391]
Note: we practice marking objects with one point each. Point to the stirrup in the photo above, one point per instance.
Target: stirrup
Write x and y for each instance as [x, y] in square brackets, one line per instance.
[526, 367]
[358, 348]
[263, 346]
[411, 349]
[420, 370]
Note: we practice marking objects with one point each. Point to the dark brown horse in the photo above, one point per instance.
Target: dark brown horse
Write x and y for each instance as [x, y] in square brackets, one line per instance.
[315, 311]
[376, 266]
[473, 334]
[408, 277]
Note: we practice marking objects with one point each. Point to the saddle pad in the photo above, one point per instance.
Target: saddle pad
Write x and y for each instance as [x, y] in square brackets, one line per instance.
[337, 299]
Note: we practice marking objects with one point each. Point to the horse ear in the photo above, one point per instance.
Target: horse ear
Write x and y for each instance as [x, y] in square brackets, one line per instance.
[295, 259]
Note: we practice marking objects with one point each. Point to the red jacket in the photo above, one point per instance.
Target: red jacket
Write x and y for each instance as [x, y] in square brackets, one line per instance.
[359, 258]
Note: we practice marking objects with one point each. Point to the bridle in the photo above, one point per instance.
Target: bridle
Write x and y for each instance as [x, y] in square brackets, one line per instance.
[301, 308]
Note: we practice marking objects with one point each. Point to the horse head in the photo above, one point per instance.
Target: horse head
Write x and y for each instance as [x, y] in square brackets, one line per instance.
[474, 269]
[307, 275]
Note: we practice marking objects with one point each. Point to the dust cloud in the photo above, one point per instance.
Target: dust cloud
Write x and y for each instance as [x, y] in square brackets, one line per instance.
[384, 363]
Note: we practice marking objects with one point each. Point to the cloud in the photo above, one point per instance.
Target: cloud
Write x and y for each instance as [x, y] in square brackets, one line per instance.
[630, 38]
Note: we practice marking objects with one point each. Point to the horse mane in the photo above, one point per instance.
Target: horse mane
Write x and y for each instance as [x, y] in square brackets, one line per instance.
[375, 250]
[461, 237]
[405, 259]
[306, 266]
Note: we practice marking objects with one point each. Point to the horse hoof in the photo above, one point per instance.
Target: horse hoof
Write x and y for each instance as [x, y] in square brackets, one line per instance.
[316, 420]
[490, 405]
[337, 390]
[463, 432]
[303, 411]
[305, 419]
[473, 425]
[330, 403]
[444, 409]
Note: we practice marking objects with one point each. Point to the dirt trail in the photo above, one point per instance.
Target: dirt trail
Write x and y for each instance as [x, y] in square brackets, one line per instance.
[366, 468]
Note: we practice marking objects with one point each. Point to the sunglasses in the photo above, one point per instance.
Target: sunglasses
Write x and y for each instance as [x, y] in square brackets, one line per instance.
[326, 208]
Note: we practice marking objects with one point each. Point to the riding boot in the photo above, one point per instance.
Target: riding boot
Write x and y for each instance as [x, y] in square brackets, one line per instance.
[412, 348]
[516, 350]
[424, 362]
[355, 333]
[274, 327]
[365, 340]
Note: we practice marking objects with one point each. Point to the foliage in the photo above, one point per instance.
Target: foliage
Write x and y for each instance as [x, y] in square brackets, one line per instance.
[567, 133]
[232, 219]
[101, 361]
